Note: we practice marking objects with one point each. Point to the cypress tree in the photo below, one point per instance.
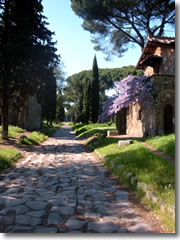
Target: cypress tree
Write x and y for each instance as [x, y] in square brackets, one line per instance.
[86, 101]
[95, 92]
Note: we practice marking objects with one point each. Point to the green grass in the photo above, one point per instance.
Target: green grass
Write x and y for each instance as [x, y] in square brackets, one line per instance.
[87, 130]
[34, 138]
[13, 131]
[137, 161]
[165, 144]
[50, 130]
[8, 157]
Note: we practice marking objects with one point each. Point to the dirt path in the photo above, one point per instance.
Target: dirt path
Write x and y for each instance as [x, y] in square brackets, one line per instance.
[61, 187]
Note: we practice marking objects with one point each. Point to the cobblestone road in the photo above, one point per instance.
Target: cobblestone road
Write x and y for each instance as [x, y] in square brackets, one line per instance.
[63, 188]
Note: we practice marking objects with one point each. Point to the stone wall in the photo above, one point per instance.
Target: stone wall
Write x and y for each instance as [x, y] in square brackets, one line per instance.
[145, 121]
[30, 116]
[134, 123]
[164, 95]
[167, 66]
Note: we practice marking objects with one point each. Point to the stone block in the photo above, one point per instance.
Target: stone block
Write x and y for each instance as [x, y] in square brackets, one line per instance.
[112, 133]
[124, 142]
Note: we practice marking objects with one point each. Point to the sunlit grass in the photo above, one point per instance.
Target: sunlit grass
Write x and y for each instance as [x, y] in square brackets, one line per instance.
[165, 144]
[13, 131]
[147, 168]
[87, 130]
[8, 157]
[34, 138]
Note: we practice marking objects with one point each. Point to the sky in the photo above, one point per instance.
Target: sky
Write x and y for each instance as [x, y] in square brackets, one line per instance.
[74, 43]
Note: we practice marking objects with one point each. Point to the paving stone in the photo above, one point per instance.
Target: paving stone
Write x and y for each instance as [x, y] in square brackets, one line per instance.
[22, 229]
[121, 195]
[103, 227]
[37, 213]
[66, 210]
[54, 218]
[92, 215]
[21, 209]
[36, 205]
[46, 230]
[8, 219]
[139, 228]
[104, 211]
[1, 201]
[15, 202]
[122, 230]
[74, 224]
[58, 202]
[28, 220]
[12, 190]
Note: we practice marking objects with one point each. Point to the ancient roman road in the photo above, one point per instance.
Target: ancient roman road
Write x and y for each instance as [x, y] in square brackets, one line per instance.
[61, 187]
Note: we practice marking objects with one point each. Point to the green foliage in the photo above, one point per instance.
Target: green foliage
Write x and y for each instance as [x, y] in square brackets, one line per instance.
[115, 25]
[150, 170]
[85, 115]
[95, 92]
[60, 112]
[34, 138]
[27, 53]
[8, 157]
[83, 129]
[50, 130]
[13, 131]
[165, 144]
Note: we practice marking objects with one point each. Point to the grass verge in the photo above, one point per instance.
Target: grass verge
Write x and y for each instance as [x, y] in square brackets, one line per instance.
[13, 131]
[87, 130]
[34, 138]
[8, 157]
[165, 144]
[152, 177]
[50, 130]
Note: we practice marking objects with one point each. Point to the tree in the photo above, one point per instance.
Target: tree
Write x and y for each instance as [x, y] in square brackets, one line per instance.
[60, 112]
[47, 96]
[26, 50]
[95, 92]
[130, 90]
[114, 24]
[86, 100]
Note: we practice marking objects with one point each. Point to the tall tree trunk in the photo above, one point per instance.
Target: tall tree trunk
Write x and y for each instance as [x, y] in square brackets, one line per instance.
[5, 108]
[5, 71]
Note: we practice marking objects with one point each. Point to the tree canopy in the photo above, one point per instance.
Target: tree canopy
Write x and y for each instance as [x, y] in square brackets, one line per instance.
[27, 53]
[114, 24]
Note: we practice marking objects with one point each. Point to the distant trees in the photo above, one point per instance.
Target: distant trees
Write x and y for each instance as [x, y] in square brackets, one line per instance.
[114, 24]
[27, 53]
[60, 108]
[73, 92]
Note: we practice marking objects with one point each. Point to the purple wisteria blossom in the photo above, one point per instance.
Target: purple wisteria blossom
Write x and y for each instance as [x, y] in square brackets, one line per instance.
[107, 109]
[130, 89]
